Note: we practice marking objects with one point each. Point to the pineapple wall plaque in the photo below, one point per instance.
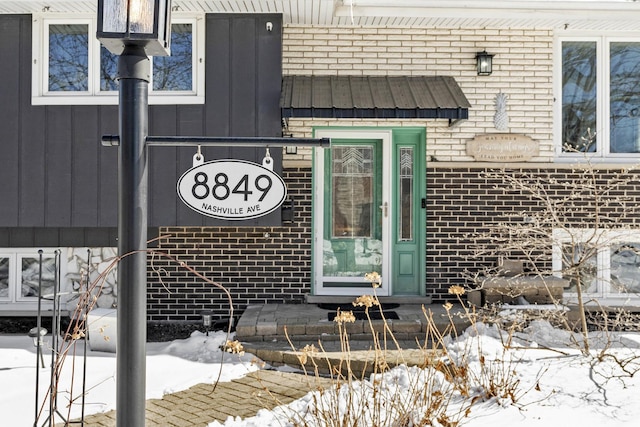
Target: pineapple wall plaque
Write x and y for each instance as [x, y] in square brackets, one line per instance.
[502, 147]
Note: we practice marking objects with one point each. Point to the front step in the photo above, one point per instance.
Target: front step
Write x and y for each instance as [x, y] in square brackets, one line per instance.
[279, 326]
[324, 299]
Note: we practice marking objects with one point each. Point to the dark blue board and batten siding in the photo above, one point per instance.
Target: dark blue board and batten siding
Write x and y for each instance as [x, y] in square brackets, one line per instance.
[55, 175]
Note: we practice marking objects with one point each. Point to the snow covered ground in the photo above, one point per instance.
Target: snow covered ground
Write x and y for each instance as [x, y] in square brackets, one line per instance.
[171, 366]
[557, 384]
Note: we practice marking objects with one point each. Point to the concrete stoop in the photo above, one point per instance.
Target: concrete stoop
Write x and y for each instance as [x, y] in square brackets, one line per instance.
[303, 321]
[276, 334]
[356, 363]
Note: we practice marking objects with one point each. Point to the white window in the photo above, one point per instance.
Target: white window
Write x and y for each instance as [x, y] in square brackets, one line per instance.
[605, 263]
[23, 277]
[71, 67]
[599, 98]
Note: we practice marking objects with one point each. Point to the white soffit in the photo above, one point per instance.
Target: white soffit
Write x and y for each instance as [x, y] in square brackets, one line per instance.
[620, 15]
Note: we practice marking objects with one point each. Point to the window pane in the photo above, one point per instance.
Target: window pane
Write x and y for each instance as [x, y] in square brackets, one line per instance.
[353, 227]
[352, 189]
[625, 98]
[115, 16]
[108, 70]
[68, 58]
[4, 278]
[31, 276]
[406, 193]
[579, 96]
[625, 268]
[175, 72]
[579, 265]
[141, 16]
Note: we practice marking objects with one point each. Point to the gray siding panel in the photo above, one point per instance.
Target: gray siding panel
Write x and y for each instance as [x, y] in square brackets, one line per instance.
[162, 167]
[59, 181]
[107, 169]
[33, 166]
[10, 27]
[54, 170]
[84, 158]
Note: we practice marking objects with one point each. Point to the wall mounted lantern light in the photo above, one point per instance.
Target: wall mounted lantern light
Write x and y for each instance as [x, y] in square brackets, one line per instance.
[143, 23]
[484, 62]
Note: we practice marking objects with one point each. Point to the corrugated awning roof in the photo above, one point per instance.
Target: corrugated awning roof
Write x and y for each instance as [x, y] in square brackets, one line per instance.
[405, 97]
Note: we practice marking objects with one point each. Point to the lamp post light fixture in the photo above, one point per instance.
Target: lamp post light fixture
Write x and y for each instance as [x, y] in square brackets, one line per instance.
[133, 29]
[206, 320]
[144, 23]
[484, 62]
[37, 335]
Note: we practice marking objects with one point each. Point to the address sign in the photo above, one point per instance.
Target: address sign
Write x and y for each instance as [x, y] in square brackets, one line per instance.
[232, 189]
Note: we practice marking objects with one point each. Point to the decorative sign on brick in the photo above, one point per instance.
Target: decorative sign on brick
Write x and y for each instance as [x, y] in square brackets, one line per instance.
[232, 189]
[502, 147]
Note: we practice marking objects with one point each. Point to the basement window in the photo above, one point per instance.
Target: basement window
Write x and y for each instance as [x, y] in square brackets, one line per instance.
[604, 263]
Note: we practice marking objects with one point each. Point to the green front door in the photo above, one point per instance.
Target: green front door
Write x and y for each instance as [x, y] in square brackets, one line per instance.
[367, 211]
[408, 233]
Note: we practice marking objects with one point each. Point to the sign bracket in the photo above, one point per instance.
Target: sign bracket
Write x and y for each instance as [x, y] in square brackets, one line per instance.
[220, 141]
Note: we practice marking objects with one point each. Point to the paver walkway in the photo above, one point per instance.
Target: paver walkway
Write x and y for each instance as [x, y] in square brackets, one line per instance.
[201, 405]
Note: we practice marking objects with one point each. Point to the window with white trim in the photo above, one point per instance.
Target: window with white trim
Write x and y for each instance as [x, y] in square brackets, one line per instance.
[21, 280]
[600, 97]
[606, 263]
[71, 67]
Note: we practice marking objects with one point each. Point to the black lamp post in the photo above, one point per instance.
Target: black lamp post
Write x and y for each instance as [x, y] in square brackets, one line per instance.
[484, 62]
[133, 29]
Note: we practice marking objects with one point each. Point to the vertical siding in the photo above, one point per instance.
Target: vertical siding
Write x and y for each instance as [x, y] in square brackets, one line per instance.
[56, 174]
[10, 116]
[58, 168]
[107, 169]
[162, 166]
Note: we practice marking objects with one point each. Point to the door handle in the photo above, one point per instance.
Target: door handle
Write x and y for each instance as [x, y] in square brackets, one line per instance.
[385, 209]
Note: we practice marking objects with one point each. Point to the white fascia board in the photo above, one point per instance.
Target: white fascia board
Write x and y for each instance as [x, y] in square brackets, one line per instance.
[507, 9]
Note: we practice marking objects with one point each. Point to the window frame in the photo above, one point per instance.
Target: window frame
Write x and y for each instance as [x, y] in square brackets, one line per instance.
[604, 238]
[603, 92]
[12, 266]
[40, 94]
[15, 299]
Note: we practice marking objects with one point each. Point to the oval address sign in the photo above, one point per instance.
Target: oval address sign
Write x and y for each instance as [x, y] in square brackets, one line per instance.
[231, 189]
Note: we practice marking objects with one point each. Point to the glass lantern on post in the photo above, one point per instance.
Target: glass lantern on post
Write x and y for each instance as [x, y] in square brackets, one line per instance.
[144, 23]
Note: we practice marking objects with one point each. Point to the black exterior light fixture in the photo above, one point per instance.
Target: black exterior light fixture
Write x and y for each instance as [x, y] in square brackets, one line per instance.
[484, 62]
[287, 211]
[133, 29]
[206, 320]
[145, 23]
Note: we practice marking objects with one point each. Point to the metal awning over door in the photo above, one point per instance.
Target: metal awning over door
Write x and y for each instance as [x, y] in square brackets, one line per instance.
[381, 97]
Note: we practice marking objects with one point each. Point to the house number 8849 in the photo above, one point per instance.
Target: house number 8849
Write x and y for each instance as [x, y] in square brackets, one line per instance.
[221, 188]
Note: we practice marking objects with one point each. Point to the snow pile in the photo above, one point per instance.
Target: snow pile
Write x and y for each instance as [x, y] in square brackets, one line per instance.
[555, 384]
[171, 367]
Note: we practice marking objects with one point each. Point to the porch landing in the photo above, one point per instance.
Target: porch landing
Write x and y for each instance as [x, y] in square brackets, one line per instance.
[262, 327]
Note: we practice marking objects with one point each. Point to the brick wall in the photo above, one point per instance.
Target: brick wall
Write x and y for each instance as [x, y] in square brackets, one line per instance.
[462, 201]
[257, 265]
[523, 69]
[275, 267]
